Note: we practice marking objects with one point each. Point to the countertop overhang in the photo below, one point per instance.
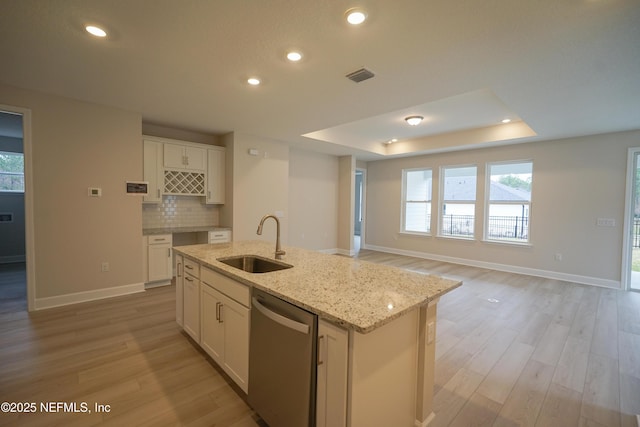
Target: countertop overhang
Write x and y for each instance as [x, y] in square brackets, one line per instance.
[353, 293]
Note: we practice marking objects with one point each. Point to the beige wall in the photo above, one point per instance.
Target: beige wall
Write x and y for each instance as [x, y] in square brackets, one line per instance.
[313, 200]
[575, 181]
[76, 145]
[260, 186]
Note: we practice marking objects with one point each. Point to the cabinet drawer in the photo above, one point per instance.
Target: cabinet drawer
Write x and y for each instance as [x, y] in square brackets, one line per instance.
[234, 290]
[158, 239]
[191, 267]
[219, 236]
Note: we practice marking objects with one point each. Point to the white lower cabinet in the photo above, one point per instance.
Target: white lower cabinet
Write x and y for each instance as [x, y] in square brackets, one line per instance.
[332, 373]
[191, 301]
[159, 265]
[179, 289]
[224, 322]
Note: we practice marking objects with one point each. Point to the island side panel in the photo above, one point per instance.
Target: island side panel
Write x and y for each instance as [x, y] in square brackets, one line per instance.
[383, 369]
[426, 364]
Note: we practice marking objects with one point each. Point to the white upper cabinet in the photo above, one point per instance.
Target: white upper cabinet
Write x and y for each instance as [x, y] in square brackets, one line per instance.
[185, 157]
[184, 168]
[215, 175]
[152, 171]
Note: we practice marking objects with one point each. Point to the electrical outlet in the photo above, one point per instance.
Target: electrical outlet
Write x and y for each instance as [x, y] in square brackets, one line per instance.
[105, 266]
[605, 222]
[558, 256]
[431, 332]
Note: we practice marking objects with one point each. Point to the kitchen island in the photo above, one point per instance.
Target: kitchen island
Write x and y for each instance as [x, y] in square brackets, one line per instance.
[380, 328]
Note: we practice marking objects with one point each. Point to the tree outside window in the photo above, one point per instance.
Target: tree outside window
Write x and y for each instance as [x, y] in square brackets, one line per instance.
[509, 201]
[11, 172]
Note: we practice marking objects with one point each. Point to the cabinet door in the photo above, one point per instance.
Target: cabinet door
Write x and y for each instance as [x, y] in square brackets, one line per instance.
[191, 308]
[174, 156]
[235, 318]
[215, 176]
[160, 266]
[331, 397]
[212, 325]
[179, 289]
[152, 171]
[195, 159]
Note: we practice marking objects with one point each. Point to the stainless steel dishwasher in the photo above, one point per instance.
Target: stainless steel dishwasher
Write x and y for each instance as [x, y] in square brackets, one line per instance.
[282, 362]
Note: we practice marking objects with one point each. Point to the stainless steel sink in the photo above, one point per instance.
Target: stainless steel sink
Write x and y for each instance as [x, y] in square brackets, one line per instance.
[254, 263]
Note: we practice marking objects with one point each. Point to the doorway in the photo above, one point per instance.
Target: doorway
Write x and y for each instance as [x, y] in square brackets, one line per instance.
[16, 210]
[631, 241]
[358, 211]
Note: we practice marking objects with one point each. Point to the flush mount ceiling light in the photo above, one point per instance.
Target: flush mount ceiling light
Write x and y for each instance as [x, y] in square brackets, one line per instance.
[506, 120]
[414, 120]
[95, 31]
[355, 16]
[294, 56]
[253, 81]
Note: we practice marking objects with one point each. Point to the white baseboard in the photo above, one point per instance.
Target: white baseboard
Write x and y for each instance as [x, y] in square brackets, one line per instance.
[328, 251]
[426, 422]
[586, 280]
[60, 300]
[10, 259]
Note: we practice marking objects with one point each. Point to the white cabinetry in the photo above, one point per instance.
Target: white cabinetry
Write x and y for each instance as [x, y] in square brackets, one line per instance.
[185, 157]
[191, 311]
[215, 175]
[332, 373]
[220, 236]
[225, 324]
[179, 289]
[152, 171]
[159, 265]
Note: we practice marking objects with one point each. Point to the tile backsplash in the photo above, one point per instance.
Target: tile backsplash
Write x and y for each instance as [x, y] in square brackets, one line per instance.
[179, 211]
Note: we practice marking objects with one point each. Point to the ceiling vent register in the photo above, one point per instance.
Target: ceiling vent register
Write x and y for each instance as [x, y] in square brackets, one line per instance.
[183, 183]
[360, 75]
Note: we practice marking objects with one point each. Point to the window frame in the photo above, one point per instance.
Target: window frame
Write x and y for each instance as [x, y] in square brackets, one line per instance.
[443, 202]
[488, 203]
[404, 202]
[2, 172]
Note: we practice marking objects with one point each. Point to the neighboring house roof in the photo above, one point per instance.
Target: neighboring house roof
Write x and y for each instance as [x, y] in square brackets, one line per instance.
[464, 188]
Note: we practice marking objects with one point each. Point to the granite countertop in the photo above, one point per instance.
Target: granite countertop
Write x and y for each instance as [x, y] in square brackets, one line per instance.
[191, 229]
[354, 293]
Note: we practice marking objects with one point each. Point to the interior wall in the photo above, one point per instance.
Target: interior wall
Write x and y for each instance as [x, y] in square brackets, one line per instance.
[575, 181]
[313, 200]
[260, 187]
[77, 145]
[12, 247]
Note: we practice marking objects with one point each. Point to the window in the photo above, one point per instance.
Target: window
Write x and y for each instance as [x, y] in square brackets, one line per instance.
[458, 197]
[11, 172]
[509, 201]
[416, 203]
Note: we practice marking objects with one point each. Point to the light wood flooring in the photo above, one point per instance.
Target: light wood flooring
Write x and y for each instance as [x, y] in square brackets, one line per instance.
[511, 350]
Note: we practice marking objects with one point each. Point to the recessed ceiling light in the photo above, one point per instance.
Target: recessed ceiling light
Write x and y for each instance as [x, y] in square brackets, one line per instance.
[355, 16]
[253, 81]
[414, 120]
[506, 120]
[391, 141]
[95, 31]
[294, 56]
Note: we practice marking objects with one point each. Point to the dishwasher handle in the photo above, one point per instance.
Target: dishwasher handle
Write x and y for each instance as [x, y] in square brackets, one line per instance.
[278, 318]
